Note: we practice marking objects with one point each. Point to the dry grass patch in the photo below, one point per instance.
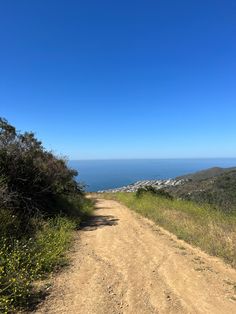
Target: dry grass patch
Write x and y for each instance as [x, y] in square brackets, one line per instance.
[201, 225]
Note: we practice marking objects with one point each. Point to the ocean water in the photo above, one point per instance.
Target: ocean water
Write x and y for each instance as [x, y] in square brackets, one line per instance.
[107, 174]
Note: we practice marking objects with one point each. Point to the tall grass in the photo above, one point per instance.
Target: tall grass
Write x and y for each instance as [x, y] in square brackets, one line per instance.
[24, 259]
[201, 225]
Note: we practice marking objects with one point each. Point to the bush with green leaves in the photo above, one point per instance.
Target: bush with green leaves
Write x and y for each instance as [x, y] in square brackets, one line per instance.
[40, 205]
[32, 179]
[152, 190]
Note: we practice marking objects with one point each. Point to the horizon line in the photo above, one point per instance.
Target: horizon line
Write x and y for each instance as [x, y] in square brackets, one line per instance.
[149, 158]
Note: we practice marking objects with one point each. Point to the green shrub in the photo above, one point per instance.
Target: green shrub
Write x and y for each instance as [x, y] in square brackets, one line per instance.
[40, 205]
[32, 178]
[9, 223]
[153, 191]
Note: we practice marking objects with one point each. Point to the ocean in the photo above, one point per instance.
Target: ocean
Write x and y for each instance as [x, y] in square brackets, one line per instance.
[106, 174]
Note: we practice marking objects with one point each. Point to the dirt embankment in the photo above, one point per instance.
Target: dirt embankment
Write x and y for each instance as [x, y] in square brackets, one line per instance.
[123, 263]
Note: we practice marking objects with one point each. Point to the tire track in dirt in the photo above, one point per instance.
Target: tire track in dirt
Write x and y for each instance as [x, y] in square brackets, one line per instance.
[124, 263]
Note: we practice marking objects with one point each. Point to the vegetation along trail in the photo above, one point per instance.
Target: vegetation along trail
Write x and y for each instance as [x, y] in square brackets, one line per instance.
[124, 263]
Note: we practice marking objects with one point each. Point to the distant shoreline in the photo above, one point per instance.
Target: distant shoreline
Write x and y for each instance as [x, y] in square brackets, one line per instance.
[170, 183]
[100, 175]
[158, 184]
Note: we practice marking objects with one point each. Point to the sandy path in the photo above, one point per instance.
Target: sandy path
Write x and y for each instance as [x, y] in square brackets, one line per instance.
[123, 263]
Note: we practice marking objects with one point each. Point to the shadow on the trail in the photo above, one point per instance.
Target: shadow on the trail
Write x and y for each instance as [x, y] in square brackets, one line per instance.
[98, 221]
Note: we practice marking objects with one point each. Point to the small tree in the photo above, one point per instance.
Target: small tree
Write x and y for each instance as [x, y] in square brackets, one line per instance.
[32, 178]
[152, 190]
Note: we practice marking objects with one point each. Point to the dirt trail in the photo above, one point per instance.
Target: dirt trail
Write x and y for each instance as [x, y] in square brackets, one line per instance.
[123, 263]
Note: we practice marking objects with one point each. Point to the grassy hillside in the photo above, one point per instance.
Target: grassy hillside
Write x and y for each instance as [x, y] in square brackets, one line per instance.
[214, 186]
[207, 173]
[202, 225]
[41, 205]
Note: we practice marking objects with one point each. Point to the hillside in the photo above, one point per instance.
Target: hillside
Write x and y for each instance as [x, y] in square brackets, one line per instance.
[206, 174]
[215, 186]
[41, 205]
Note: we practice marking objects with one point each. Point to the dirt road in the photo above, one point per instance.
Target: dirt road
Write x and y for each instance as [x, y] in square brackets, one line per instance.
[123, 263]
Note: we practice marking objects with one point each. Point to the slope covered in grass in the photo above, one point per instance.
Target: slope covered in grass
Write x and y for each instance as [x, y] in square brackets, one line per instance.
[202, 225]
[215, 186]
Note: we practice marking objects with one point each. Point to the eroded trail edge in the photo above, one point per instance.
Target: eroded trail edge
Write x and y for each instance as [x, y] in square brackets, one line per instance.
[124, 263]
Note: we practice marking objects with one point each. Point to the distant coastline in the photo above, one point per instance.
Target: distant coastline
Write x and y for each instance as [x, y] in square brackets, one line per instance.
[158, 184]
[110, 174]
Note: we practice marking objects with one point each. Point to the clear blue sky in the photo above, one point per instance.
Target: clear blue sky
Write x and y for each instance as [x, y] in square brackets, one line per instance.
[121, 79]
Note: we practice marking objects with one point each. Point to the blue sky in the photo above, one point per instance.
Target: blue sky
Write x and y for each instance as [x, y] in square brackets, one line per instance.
[121, 79]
